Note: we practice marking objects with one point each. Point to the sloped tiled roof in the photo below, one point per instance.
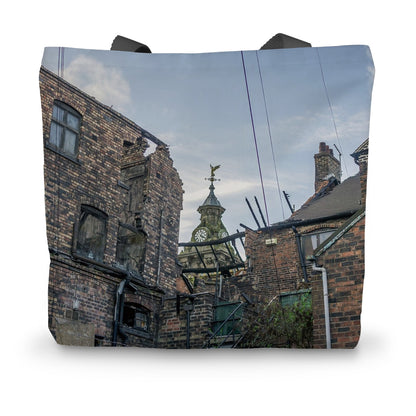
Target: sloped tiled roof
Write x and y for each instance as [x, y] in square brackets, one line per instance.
[343, 198]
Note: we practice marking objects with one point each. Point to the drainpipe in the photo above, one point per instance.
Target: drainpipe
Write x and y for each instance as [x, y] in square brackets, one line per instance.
[326, 304]
[160, 246]
[188, 307]
[117, 310]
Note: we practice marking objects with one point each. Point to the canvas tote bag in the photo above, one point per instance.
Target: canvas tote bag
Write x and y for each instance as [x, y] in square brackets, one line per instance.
[211, 200]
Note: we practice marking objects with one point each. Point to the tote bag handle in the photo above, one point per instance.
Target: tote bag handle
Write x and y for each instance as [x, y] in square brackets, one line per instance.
[279, 41]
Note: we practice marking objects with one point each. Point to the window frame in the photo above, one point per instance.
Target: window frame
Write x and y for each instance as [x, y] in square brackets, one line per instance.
[122, 244]
[137, 309]
[310, 234]
[66, 127]
[288, 299]
[100, 215]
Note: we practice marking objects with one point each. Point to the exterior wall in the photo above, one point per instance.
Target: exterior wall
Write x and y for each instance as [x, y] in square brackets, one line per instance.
[93, 292]
[108, 143]
[344, 263]
[275, 268]
[173, 325]
[72, 182]
[162, 213]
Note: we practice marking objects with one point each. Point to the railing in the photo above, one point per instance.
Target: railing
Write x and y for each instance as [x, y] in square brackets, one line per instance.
[224, 338]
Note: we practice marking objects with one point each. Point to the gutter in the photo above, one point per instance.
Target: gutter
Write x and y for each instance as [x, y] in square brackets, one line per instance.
[326, 303]
[289, 223]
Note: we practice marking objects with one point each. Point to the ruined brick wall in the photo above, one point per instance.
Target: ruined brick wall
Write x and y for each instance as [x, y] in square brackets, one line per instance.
[154, 207]
[344, 263]
[162, 213]
[93, 177]
[173, 325]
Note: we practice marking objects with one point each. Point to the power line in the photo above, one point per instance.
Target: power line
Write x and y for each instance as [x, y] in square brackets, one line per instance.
[255, 137]
[270, 136]
[330, 107]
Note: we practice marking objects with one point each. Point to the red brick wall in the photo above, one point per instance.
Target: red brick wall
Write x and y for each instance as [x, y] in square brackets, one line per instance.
[275, 268]
[94, 178]
[344, 263]
[173, 326]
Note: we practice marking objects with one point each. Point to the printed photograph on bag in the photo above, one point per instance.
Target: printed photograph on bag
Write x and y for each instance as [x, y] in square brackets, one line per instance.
[209, 200]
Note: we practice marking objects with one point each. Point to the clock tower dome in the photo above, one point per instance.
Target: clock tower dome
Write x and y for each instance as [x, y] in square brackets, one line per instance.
[210, 228]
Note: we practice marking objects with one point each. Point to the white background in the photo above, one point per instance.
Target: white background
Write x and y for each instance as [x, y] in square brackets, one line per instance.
[40, 377]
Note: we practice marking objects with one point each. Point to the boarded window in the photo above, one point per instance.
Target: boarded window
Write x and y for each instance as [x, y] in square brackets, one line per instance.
[310, 242]
[65, 127]
[131, 245]
[136, 317]
[92, 230]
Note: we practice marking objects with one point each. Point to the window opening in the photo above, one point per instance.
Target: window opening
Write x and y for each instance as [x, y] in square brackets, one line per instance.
[65, 128]
[136, 317]
[130, 251]
[310, 242]
[92, 230]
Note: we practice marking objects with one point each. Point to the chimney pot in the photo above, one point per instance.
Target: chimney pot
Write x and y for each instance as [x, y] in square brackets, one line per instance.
[326, 164]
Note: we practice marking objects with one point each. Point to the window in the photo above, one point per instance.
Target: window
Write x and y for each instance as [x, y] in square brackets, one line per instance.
[130, 251]
[311, 241]
[65, 127]
[71, 314]
[290, 298]
[136, 317]
[92, 231]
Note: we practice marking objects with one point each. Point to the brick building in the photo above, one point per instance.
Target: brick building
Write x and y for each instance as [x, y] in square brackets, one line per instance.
[328, 229]
[112, 214]
[112, 217]
[341, 258]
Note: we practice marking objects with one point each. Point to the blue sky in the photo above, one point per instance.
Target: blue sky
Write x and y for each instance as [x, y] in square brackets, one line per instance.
[197, 104]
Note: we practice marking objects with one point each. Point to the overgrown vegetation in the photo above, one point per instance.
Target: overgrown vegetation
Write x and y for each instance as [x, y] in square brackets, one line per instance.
[275, 325]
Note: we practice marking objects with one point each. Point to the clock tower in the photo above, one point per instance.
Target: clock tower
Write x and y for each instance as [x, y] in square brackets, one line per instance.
[210, 228]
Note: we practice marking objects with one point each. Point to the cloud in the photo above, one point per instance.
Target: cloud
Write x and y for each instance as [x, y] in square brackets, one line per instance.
[106, 84]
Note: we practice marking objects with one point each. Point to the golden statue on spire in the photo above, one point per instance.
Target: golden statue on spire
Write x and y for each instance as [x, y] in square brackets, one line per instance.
[213, 169]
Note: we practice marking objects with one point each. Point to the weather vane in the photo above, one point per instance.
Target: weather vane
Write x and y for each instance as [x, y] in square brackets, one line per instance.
[212, 177]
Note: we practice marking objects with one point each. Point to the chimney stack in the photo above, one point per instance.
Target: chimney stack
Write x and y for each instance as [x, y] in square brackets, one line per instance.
[326, 165]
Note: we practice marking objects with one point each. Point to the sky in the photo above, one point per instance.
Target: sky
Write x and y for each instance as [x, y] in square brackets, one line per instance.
[198, 104]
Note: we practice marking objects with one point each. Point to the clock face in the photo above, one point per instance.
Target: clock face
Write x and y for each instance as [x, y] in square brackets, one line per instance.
[201, 235]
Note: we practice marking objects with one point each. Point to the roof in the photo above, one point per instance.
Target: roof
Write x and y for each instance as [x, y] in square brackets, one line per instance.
[211, 199]
[343, 198]
[362, 148]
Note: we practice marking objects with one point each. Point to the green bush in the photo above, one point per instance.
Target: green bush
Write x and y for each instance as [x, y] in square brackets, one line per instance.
[275, 325]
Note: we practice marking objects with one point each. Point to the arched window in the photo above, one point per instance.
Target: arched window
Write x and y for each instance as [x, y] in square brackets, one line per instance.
[65, 128]
[91, 233]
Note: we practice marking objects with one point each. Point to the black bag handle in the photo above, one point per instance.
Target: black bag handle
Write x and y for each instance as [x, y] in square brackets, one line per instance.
[279, 41]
